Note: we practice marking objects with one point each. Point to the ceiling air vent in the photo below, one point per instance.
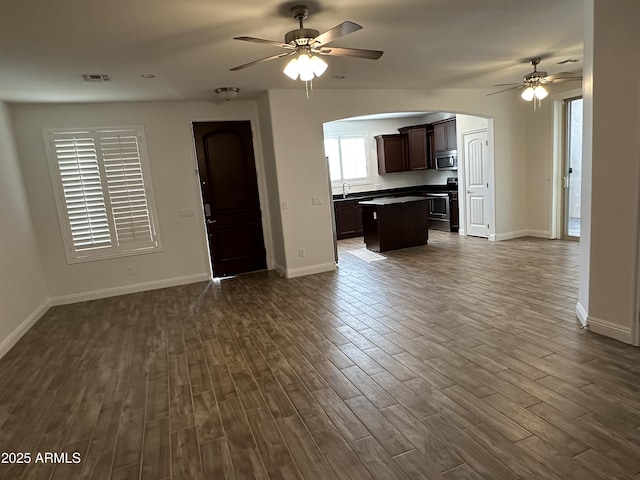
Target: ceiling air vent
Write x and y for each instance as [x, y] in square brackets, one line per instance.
[95, 77]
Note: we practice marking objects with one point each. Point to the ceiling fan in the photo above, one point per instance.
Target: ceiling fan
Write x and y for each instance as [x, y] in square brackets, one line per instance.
[305, 44]
[533, 82]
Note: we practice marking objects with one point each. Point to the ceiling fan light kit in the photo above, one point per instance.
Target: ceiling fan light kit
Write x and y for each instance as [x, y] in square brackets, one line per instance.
[537, 91]
[307, 45]
[533, 82]
[306, 67]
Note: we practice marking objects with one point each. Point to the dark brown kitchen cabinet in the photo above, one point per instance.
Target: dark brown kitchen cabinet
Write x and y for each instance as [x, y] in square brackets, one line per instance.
[391, 223]
[453, 211]
[444, 135]
[392, 153]
[431, 153]
[417, 146]
[348, 216]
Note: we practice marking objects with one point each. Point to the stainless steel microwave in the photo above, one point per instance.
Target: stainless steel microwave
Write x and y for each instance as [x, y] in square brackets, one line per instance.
[447, 160]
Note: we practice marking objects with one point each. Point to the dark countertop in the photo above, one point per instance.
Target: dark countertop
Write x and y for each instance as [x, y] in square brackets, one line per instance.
[381, 202]
[413, 190]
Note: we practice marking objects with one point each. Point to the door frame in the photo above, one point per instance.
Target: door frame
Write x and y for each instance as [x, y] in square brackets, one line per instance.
[557, 193]
[262, 188]
[564, 160]
[462, 185]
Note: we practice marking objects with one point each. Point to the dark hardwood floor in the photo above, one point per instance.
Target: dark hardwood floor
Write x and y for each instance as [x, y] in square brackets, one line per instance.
[457, 360]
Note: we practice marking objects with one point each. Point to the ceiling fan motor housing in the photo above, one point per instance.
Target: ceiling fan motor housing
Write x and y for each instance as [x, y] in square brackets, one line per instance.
[534, 76]
[300, 36]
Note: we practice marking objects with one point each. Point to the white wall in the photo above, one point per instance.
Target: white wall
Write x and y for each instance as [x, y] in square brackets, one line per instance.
[23, 296]
[540, 124]
[302, 171]
[271, 182]
[611, 169]
[184, 256]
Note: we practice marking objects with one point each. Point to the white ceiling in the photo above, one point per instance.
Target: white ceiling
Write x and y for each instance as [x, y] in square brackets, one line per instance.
[188, 45]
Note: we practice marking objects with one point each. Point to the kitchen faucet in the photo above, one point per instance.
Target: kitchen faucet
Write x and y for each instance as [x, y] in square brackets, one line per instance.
[345, 189]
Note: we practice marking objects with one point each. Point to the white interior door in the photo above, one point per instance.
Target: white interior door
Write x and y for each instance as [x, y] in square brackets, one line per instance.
[476, 183]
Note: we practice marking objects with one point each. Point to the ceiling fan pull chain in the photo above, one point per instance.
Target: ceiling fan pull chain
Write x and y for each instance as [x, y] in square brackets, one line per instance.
[306, 87]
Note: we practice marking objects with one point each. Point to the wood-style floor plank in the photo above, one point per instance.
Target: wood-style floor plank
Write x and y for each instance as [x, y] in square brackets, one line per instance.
[459, 360]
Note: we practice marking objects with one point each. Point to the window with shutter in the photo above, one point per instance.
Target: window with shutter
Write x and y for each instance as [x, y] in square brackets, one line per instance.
[103, 191]
[347, 155]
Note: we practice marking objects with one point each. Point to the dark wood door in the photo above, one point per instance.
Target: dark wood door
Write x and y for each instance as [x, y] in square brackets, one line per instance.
[230, 194]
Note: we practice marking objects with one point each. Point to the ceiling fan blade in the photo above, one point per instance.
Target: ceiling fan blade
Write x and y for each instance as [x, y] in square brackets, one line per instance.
[505, 90]
[272, 57]
[266, 42]
[560, 77]
[558, 80]
[506, 84]
[350, 52]
[345, 28]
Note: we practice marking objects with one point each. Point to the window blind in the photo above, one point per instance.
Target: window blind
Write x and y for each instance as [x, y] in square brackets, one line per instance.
[103, 192]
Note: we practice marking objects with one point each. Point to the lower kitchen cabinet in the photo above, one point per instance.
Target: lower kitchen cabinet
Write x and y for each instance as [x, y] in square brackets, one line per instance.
[392, 223]
[453, 211]
[348, 216]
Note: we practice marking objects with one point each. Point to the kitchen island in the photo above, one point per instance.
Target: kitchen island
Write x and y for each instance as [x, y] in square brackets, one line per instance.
[392, 223]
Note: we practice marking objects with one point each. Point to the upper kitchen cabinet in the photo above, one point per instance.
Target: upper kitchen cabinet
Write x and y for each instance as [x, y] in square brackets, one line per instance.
[444, 135]
[418, 148]
[392, 153]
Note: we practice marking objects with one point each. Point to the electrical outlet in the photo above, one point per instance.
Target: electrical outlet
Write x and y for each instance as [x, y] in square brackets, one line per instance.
[285, 205]
[301, 252]
[130, 270]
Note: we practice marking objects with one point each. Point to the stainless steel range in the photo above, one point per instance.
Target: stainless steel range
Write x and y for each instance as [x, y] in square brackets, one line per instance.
[443, 207]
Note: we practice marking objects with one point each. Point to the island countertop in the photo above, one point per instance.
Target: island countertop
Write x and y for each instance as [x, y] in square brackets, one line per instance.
[391, 223]
[381, 202]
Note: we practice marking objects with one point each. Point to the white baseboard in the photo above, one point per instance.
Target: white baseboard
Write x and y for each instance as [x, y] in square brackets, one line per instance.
[280, 269]
[581, 313]
[138, 287]
[608, 329]
[539, 234]
[17, 334]
[498, 237]
[299, 272]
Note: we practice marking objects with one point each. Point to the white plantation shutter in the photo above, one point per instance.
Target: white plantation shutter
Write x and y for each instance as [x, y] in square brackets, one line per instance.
[103, 192]
[77, 163]
[123, 171]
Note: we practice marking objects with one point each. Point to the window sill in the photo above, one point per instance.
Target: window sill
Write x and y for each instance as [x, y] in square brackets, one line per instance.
[109, 256]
